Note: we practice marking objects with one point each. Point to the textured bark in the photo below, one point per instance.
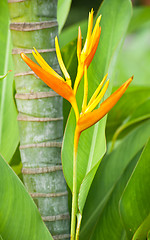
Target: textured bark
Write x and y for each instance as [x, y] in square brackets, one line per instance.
[34, 24]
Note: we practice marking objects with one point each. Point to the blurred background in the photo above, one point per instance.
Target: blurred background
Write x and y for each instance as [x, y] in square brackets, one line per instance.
[80, 8]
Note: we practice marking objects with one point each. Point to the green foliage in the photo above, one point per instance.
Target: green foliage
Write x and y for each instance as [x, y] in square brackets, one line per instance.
[117, 205]
[109, 179]
[19, 216]
[134, 204]
[125, 116]
[9, 136]
[128, 118]
[63, 8]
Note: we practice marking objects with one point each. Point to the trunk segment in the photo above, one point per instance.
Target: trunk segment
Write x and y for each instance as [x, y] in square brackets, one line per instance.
[33, 23]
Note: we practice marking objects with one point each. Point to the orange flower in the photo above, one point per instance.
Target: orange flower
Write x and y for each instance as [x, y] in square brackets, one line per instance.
[91, 43]
[89, 117]
[51, 78]
[63, 87]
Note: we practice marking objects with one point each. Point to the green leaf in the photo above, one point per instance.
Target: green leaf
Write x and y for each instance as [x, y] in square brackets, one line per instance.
[110, 217]
[16, 163]
[63, 8]
[92, 144]
[70, 33]
[126, 108]
[148, 236]
[140, 114]
[9, 136]
[69, 54]
[100, 201]
[19, 216]
[4, 20]
[134, 204]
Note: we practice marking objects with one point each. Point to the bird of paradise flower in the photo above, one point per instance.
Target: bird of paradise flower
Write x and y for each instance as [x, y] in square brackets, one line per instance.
[89, 115]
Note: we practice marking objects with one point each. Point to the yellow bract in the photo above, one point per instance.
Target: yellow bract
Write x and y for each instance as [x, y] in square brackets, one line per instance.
[96, 97]
[61, 63]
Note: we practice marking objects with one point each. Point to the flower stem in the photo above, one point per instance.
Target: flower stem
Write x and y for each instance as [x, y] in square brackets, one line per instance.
[74, 192]
[79, 218]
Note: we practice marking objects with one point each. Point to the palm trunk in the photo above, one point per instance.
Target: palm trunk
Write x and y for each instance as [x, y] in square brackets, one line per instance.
[33, 23]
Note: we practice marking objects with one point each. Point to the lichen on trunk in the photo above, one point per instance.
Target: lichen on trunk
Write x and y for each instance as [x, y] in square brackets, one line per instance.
[34, 24]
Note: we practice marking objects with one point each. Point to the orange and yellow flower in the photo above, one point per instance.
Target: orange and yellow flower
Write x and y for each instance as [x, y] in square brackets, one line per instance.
[91, 43]
[89, 116]
[51, 78]
[63, 87]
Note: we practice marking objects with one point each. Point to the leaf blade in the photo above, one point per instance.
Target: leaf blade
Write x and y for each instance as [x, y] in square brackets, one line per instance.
[19, 217]
[110, 170]
[136, 194]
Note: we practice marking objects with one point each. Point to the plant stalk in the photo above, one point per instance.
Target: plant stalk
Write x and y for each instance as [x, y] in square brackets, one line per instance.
[74, 192]
[79, 218]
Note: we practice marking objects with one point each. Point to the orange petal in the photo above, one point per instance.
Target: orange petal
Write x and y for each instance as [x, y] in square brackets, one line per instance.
[86, 63]
[44, 64]
[59, 86]
[95, 32]
[89, 32]
[92, 53]
[91, 118]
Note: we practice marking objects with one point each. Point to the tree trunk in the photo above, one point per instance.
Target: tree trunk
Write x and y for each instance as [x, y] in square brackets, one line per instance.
[34, 24]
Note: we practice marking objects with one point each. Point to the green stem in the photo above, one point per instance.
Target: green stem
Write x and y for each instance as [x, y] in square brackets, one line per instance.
[74, 193]
[79, 218]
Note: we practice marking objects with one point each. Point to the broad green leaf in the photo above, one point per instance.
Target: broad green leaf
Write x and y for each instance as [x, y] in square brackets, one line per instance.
[19, 216]
[69, 54]
[70, 33]
[140, 114]
[9, 136]
[63, 7]
[92, 144]
[110, 217]
[129, 104]
[110, 171]
[134, 204]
